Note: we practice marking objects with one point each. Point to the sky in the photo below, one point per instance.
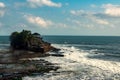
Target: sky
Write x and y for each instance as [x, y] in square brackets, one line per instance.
[61, 17]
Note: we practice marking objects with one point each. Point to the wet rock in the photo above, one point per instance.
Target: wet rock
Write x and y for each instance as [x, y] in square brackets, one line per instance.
[57, 55]
[27, 68]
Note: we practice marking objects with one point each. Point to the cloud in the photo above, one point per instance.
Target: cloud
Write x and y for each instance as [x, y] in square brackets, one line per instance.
[112, 10]
[93, 6]
[62, 25]
[21, 25]
[1, 24]
[77, 12]
[98, 20]
[78, 24]
[91, 20]
[2, 11]
[89, 15]
[101, 21]
[40, 3]
[2, 5]
[81, 13]
[39, 21]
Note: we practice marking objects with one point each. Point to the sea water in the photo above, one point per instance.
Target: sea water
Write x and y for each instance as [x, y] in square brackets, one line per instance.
[4, 43]
[86, 58]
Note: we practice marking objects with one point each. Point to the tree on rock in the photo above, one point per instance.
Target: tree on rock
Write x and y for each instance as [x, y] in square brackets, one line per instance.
[25, 40]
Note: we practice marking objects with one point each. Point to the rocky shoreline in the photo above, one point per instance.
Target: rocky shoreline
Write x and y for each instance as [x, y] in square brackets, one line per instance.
[30, 67]
[17, 61]
[11, 68]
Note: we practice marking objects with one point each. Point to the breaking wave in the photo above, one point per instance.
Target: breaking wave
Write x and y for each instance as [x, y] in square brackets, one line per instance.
[79, 64]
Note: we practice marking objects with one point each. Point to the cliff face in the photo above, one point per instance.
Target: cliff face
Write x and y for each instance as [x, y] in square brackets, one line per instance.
[38, 45]
[25, 40]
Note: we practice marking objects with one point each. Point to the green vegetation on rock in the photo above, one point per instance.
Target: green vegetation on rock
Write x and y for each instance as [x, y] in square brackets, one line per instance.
[25, 40]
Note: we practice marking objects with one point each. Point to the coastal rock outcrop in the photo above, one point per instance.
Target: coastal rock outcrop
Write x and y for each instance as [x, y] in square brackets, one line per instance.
[25, 40]
[21, 60]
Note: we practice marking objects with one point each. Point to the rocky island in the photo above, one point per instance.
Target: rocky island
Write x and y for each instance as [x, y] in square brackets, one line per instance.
[17, 62]
[25, 40]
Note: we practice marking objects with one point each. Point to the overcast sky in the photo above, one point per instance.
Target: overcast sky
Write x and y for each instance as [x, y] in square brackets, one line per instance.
[61, 17]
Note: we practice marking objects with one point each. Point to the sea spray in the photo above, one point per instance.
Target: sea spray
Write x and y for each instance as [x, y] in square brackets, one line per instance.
[76, 65]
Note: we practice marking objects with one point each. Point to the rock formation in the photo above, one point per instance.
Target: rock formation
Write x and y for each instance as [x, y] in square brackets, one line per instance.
[25, 40]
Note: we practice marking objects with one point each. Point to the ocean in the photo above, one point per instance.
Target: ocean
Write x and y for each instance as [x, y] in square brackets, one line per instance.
[98, 44]
[87, 57]
[4, 43]
[108, 45]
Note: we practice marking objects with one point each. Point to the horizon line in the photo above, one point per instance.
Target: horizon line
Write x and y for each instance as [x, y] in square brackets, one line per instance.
[75, 35]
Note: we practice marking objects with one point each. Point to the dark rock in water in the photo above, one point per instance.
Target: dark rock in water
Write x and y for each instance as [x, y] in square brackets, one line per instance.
[25, 40]
[57, 55]
[55, 49]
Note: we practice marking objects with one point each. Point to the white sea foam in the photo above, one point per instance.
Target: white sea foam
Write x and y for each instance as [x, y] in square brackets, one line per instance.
[4, 47]
[76, 65]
